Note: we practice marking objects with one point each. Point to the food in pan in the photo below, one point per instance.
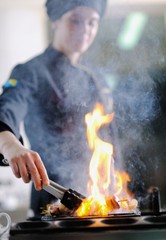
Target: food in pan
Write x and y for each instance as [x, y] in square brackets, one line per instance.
[57, 209]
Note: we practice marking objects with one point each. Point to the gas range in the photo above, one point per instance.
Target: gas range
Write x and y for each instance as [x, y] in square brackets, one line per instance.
[149, 224]
[145, 226]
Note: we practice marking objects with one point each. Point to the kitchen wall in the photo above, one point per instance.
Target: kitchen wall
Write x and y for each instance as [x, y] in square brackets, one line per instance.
[23, 32]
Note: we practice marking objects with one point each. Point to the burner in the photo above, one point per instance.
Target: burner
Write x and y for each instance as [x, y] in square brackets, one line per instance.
[156, 219]
[119, 221]
[76, 223]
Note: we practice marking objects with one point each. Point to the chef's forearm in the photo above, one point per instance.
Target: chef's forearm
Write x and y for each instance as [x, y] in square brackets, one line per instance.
[7, 140]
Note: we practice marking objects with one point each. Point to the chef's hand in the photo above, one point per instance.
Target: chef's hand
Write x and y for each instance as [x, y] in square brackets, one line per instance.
[25, 163]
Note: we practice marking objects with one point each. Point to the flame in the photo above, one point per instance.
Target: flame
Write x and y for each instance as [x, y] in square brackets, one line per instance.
[103, 177]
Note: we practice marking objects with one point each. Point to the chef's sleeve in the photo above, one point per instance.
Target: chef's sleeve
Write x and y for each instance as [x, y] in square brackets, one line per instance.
[16, 98]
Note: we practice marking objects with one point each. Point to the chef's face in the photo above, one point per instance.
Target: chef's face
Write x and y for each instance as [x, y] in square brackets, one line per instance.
[75, 30]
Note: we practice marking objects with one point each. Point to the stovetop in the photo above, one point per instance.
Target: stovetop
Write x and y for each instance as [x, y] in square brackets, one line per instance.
[136, 227]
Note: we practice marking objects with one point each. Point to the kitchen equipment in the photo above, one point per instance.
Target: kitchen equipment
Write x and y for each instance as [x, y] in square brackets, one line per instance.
[69, 198]
[126, 227]
[121, 226]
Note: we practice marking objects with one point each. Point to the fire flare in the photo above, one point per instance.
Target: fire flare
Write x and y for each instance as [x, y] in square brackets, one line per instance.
[103, 177]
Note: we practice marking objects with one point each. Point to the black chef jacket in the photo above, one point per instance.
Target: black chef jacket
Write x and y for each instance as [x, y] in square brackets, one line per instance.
[52, 97]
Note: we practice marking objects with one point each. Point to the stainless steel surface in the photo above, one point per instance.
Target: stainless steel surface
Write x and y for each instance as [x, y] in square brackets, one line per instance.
[55, 189]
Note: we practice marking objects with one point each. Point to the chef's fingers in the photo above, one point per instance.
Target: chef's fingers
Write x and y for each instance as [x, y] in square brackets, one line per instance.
[42, 170]
[14, 166]
[22, 165]
[37, 171]
[32, 170]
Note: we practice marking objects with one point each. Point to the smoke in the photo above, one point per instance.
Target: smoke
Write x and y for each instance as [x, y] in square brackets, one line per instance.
[137, 107]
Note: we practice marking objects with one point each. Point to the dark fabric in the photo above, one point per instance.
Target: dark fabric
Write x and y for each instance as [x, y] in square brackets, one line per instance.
[56, 8]
[4, 127]
[1, 161]
[52, 97]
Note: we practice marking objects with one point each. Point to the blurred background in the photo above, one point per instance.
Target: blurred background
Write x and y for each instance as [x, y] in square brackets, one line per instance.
[130, 50]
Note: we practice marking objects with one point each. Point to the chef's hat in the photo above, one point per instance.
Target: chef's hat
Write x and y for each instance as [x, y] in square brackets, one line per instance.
[56, 8]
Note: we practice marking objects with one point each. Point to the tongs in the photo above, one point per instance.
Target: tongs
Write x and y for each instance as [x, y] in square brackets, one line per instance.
[68, 197]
